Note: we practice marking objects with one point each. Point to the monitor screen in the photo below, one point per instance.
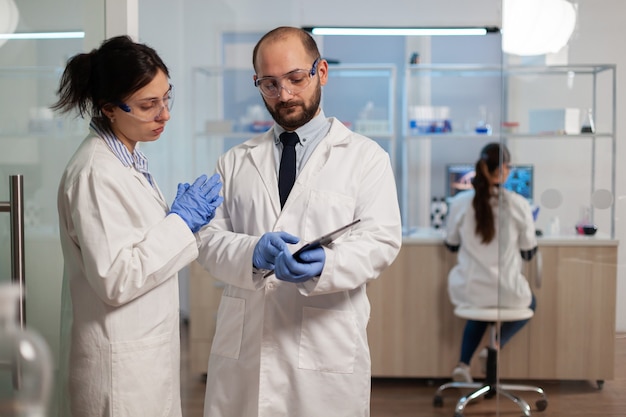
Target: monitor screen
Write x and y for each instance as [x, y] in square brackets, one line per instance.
[521, 181]
[460, 176]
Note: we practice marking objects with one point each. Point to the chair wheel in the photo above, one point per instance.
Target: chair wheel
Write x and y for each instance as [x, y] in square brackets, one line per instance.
[541, 404]
[600, 383]
[438, 401]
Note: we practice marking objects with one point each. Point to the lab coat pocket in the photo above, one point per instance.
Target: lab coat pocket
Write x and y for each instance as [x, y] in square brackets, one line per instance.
[328, 340]
[326, 211]
[142, 375]
[229, 331]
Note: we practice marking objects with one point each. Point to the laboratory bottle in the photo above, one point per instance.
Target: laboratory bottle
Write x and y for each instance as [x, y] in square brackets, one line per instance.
[587, 125]
[482, 126]
[25, 362]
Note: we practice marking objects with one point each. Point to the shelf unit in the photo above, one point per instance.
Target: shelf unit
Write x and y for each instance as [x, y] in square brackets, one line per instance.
[224, 101]
[228, 109]
[509, 94]
[363, 97]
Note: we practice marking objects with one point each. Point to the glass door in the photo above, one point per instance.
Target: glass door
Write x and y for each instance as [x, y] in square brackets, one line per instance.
[37, 143]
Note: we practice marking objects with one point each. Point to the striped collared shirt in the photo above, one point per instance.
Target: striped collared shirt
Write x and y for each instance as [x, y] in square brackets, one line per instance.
[136, 159]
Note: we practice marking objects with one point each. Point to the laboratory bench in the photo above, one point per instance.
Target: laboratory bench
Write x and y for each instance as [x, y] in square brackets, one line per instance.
[414, 333]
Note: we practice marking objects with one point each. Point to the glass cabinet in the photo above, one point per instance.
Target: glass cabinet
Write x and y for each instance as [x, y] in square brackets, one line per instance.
[558, 122]
[228, 109]
[362, 96]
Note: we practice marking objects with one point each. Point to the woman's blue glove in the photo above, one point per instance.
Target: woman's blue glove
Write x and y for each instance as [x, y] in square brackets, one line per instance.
[289, 269]
[270, 245]
[196, 203]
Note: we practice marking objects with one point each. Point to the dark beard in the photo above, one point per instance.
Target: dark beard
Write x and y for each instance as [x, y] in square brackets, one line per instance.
[308, 112]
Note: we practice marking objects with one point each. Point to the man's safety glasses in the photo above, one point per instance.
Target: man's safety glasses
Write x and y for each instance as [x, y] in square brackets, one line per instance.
[150, 109]
[293, 82]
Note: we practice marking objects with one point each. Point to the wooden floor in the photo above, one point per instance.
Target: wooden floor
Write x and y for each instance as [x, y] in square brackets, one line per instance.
[414, 397]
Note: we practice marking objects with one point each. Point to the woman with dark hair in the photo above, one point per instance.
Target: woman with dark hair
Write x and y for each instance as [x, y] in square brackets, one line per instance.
[493, 230]
[122, 244]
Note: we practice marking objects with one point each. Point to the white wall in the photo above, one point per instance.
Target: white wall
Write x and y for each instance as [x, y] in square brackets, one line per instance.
[187, 35]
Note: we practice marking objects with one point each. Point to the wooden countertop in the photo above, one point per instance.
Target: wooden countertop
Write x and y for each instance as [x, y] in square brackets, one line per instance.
[425, 235]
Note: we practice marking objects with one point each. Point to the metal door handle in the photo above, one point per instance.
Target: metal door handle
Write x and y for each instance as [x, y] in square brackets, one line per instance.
[15, 207]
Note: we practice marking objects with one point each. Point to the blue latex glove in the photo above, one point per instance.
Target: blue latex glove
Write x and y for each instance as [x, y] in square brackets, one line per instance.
[535, 210]
[289, 269]
[270, 245]
[196, 203]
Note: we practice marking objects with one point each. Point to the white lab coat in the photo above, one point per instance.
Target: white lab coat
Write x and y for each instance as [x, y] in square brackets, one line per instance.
[282, 349]
[122, 253]
[490, 275]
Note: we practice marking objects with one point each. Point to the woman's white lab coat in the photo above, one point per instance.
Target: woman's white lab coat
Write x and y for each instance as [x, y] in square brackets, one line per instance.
[282, 349]
[122, 253]
[490, 275]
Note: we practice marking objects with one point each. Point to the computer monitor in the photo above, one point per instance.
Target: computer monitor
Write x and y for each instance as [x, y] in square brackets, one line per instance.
[521, 181]
[459, 178]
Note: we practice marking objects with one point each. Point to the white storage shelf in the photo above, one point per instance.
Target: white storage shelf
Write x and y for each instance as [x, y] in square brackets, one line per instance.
[583, 179]
[228, 109]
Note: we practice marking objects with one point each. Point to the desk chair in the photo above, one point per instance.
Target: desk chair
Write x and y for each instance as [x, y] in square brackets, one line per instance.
[490, 386]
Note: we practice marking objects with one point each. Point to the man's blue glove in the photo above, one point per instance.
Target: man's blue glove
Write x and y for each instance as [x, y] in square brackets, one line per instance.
[311, 265]
[196, 203]
[270, 245]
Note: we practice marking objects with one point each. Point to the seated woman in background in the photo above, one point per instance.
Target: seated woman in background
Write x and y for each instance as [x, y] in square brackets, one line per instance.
[492, 229]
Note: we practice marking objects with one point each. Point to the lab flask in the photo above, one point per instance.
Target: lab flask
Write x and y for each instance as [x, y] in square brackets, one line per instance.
[25, 362]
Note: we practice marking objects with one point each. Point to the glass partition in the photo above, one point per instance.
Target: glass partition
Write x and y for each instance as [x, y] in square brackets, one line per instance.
[432, 104]
[557, 114]
[36, 143]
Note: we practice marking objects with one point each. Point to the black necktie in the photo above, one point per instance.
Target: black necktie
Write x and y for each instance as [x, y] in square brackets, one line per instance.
[287, 171]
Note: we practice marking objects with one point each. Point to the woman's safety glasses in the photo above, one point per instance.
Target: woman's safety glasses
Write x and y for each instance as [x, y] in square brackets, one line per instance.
[150, 109]
[293, 82]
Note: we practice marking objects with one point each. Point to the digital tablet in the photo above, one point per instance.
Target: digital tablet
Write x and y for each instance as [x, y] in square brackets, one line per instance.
[320, 241]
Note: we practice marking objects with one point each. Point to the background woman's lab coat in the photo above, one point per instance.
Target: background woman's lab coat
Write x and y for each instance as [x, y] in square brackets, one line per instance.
[122, 254]
[490, 275]
[282, 349]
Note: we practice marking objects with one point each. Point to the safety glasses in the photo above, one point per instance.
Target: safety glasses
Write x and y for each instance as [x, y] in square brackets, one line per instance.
[150, 109]
[293, 82]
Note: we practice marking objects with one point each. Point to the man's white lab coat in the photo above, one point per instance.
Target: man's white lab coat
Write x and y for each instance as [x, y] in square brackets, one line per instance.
[284, 349]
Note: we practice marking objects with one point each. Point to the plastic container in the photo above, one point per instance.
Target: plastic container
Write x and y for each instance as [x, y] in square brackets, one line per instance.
[510, 127]
[25, 363]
